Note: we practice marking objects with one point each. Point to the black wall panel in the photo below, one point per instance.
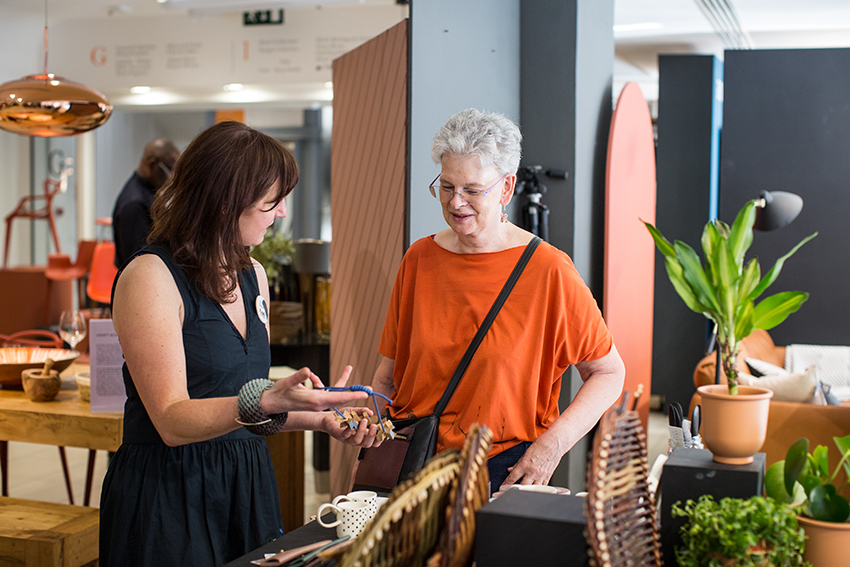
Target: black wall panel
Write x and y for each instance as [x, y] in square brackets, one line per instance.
[787, 128]
[686, 158]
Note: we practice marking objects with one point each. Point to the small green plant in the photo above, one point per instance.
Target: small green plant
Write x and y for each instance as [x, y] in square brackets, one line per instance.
[757, 531]
[275, 251]
[725, 290]
[803, 479]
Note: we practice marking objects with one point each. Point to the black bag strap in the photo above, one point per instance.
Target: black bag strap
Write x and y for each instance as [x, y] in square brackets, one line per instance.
[485, 325]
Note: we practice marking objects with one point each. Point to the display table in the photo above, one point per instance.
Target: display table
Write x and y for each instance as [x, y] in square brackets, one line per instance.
[66, 421]
[690, 473]
[305, 535]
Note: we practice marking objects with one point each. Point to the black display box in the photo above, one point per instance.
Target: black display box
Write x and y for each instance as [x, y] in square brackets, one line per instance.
[690, 473]
[531, 528]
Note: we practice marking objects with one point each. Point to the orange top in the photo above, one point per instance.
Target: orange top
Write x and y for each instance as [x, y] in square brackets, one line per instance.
[512, 384]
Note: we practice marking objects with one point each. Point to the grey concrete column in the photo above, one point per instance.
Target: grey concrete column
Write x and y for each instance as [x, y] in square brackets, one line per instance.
[462, 54]
[310, 183]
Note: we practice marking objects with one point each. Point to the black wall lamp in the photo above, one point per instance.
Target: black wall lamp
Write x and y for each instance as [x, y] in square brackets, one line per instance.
[777, 209]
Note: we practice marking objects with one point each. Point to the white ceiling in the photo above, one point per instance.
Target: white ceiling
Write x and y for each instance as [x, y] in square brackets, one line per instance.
[771, 24]
[677, 26]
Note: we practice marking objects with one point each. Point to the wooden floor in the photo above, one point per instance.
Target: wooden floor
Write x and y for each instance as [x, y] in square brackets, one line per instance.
[35, 471]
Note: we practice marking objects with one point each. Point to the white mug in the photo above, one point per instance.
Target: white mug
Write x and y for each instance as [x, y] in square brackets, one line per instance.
[367, 496]
[351, 517]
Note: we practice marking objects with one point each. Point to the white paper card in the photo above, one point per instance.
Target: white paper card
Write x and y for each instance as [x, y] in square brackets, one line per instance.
[106, 358]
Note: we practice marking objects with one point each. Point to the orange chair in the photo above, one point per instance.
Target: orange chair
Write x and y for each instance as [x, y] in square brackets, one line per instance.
[45, 339]
[60, 268]
[102, 273]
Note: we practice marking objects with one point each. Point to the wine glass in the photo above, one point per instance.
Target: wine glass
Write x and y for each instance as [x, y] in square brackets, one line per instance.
[72, 327]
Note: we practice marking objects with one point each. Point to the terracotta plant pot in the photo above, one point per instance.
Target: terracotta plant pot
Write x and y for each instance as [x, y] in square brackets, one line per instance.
[734, 427]
[828, 542]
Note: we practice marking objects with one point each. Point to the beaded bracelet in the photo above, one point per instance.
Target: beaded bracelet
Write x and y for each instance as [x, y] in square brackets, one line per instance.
[251, 414]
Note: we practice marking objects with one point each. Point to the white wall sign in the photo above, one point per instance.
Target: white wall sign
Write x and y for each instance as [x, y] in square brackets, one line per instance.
[212, 50]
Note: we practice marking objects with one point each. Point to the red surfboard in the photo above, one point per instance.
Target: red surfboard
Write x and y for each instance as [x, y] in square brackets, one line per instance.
[629, 249]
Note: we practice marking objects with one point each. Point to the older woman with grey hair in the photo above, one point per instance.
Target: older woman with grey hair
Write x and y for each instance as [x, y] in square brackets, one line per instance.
[445, 286]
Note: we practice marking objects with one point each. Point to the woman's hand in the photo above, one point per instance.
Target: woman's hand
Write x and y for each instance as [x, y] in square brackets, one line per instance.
[363, 436]
[538, 463]
[290, 393]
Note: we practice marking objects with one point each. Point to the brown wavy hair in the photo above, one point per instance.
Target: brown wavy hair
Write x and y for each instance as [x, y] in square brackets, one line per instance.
[227, 168]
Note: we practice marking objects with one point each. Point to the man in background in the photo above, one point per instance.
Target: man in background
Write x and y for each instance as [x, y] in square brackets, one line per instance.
[131, 218]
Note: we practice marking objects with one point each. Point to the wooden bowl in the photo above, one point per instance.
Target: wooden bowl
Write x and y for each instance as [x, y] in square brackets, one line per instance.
[38, 387]
[13, 361]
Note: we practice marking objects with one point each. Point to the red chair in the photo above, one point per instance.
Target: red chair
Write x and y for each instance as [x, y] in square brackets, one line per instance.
[35, 338]
[102, 273]
[27, 208]
[41, 339]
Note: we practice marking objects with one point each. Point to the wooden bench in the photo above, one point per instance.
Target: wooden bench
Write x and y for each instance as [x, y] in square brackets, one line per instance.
[44, 534]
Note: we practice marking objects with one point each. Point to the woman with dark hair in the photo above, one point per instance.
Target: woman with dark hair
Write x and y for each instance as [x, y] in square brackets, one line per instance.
[193, 483]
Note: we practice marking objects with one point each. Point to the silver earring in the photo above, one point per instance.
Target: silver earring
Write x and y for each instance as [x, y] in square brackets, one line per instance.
[504, 217]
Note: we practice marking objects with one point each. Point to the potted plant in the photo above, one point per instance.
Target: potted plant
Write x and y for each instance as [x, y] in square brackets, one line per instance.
[725, 290]
[756, 531]
[803, 479]
[274, 253]
[286, 313]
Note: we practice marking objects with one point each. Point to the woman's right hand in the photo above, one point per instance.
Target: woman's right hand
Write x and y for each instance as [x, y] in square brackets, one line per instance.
[290, 393]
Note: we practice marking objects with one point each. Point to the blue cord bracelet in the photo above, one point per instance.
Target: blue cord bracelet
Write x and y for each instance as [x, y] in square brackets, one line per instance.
[360, 388]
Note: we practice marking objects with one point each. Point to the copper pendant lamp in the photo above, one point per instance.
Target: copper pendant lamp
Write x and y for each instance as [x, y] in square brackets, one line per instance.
[48, 105]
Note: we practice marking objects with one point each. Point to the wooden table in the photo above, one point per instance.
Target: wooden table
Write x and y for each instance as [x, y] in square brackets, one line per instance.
[65, 421]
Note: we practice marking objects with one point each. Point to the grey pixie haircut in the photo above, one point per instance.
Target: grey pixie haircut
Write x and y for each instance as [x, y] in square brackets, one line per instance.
[491, 137]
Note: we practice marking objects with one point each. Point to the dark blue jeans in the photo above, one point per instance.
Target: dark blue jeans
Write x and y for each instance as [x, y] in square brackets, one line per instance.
[498, 465]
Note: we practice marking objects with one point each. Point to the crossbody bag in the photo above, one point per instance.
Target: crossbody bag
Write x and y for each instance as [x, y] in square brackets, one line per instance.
[382, 468]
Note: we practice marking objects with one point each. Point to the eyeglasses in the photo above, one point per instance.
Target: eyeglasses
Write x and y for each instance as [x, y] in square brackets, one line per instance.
[445, 194]
[165, 168]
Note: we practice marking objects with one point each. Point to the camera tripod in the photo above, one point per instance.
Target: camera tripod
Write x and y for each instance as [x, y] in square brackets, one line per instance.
[535, 215]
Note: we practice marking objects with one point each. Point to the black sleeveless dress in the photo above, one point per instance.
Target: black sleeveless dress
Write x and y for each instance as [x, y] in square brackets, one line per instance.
[204, 503]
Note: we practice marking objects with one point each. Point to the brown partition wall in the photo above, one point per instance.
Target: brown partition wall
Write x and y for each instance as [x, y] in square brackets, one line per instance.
[368, 187]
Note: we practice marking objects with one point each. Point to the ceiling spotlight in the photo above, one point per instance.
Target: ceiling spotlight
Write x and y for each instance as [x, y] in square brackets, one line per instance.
[232, 87]
[141, 89]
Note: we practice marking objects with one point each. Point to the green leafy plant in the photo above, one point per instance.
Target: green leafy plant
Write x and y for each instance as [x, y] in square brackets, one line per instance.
[275, 250]
[757, 531]
[725, 289]
[803, 479]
